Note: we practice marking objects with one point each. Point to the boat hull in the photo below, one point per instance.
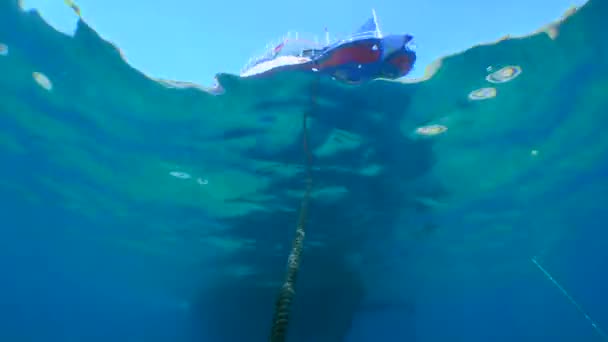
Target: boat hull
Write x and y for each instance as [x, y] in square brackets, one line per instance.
[352, 61]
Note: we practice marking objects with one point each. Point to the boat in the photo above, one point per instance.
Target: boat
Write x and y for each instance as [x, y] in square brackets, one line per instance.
[362, 56]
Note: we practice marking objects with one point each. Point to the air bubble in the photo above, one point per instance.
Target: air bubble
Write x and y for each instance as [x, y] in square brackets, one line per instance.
[3, 49]
[431, 130]
[42, 80]
[482, 94]
[505, 74]
[180, 175]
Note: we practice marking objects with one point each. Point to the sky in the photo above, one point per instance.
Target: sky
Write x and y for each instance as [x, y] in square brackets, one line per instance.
[192, 40]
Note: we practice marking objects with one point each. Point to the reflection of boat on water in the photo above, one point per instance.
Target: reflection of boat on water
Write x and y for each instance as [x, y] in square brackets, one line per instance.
[362, 56]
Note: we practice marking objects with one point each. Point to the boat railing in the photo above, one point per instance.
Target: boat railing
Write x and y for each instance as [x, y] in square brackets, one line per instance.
[270, 50]
[353, 36]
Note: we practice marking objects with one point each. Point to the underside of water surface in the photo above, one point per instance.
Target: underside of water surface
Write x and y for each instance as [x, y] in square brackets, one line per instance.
[129, 200]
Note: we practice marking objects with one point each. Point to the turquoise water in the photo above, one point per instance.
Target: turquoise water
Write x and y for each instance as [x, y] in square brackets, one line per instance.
[143, 210]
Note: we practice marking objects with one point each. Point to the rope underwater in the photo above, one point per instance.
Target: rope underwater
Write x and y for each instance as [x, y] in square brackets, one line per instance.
[287, 292]
[578, 307]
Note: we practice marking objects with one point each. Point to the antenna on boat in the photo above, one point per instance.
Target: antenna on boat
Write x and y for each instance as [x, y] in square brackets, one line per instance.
[326, 36]
[378, 32]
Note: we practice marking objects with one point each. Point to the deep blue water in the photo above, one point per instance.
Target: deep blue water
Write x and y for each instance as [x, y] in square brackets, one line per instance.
[101, 243]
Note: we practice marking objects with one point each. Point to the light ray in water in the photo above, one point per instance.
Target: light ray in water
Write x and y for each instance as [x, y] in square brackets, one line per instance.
[567, 295]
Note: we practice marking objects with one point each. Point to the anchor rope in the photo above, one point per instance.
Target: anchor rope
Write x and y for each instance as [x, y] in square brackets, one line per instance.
[287, 291]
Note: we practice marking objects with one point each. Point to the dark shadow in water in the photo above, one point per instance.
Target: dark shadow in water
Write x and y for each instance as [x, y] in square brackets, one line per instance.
[329, 289]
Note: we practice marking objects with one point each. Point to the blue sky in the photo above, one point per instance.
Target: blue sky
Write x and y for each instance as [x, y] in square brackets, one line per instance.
[192, 40]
